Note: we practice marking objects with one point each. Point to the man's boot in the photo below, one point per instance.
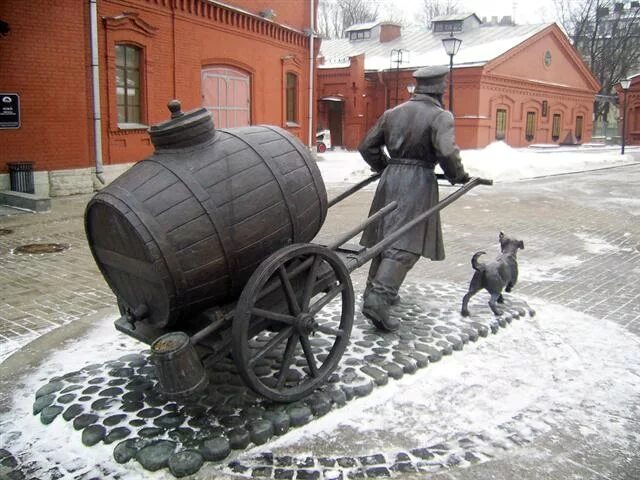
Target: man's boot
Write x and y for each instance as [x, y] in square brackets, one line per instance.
[384, 287]
[373, 269]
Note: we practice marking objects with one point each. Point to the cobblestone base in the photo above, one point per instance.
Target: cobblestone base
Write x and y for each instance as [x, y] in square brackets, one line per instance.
[118, 403]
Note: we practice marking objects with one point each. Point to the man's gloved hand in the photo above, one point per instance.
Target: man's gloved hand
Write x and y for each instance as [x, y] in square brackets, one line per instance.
[462, 178]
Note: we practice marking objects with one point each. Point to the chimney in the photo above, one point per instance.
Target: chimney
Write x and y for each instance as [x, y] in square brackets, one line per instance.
[389, 31]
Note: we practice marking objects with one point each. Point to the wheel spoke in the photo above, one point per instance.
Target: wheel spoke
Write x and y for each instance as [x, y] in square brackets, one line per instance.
[330, 330]
[308, 353]
[273, 343]
[331, 294]
[270, 315]
[288, 289]
[311, 280]
[289, 352]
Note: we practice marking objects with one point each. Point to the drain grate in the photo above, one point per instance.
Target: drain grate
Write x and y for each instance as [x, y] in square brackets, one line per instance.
[35, 248]
[5, 231]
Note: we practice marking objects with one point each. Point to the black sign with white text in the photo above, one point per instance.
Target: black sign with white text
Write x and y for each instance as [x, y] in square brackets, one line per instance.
[9, 110]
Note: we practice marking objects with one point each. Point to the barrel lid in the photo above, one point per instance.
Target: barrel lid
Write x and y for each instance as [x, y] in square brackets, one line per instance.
[183, 129]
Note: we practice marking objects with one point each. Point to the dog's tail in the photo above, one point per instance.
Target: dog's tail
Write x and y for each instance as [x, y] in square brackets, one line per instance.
[474, 262]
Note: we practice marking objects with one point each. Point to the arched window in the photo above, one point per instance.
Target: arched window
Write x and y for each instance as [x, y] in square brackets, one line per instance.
[555, 127]
[501, 124]
[128, 83]
[530, 130]
[579, 121]
[292, 98]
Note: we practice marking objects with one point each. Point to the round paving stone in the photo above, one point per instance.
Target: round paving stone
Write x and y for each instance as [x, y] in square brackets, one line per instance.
[93, 434]
[84, 420]
[215, 449]
[132, 357]
[137, 422]
[231, 421]
[299, 415]
[139, 384]
[149, 412]
[70, 388]
[114, 420]
[362, 389]
[42, 402]
[260, 431]
[125, 451]
[133, 396]
[96, 381]
[49, 388]
[280, 421]
[122, 372]
[239, 438]
[185, 463]
[117, 382]
[103, 403]
[116, 434]
[150, 432]
[320, 403]
[132, 406]
[156, 455]
[91, 390]
[169, 420]
[111, 392]
[181, 435]
[72, 411]
[48, 414]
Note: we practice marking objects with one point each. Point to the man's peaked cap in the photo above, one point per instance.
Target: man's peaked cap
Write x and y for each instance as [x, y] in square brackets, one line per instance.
[431, 79]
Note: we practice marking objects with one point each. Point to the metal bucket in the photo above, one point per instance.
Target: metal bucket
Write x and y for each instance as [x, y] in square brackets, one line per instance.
[180, 372]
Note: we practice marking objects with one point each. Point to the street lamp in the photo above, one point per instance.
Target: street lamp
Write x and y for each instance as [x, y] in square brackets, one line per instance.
[625, 86]
[451, 46]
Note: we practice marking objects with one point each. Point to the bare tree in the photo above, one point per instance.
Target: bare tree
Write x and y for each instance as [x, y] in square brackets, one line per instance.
[437, 8]
[335, 16]
[607, 35]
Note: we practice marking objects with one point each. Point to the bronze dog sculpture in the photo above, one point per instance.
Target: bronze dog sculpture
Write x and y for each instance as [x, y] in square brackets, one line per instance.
[494, 276]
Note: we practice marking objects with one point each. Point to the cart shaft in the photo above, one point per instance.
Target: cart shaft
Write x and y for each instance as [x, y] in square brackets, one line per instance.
[375, 250]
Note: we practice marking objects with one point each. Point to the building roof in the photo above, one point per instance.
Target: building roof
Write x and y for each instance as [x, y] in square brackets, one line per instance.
[454, 16]
[479, 46]
[369, 25]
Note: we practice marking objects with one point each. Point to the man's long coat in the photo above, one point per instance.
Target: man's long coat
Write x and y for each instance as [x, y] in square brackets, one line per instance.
[418, 135]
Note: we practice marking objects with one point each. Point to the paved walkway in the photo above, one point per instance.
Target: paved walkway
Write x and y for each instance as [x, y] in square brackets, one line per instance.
[582, 239]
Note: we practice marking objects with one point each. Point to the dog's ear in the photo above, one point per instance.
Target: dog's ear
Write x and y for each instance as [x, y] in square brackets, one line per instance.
[501, 236]
[521, 244]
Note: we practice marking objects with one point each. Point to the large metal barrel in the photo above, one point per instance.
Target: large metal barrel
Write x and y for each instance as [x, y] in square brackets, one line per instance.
[184, 229]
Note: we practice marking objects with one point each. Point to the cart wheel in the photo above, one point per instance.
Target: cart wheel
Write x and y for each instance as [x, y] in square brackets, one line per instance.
[293, 321]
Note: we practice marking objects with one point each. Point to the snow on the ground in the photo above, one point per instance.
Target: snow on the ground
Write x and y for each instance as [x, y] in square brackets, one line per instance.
[553, 369]
[497, 161]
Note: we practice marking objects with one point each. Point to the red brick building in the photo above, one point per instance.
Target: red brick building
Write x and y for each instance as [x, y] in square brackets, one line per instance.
[632, 107]
[248, 61]
[521, 84]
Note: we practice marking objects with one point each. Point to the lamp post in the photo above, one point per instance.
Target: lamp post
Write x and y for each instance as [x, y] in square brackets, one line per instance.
[451, 46]
[397, 58]
[625, 86]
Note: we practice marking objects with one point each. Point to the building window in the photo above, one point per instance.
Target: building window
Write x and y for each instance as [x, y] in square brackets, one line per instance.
[579, 127]
[128, 84]
[555, 127]
[531, 126]
[359, 34]
[501, 124]
[292, 98]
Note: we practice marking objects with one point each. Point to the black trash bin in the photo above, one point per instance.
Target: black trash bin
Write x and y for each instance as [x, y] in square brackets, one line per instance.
[21, 177]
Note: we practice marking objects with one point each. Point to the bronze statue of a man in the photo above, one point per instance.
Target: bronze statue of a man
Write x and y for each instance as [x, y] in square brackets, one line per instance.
[418, 135]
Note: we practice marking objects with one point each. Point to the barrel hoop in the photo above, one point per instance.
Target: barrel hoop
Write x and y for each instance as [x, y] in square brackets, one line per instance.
[206, 202]
[314, 174]
[159, 236]
[268, 161]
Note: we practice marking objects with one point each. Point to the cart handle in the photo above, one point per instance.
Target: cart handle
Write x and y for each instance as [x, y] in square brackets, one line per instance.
[354, 189]
[375, 250]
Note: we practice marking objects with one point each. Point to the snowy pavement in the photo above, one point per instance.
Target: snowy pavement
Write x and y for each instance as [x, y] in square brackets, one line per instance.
[555, 396]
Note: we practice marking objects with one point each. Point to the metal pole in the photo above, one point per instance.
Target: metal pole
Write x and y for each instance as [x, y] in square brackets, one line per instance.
[624, 119]
[451, 83]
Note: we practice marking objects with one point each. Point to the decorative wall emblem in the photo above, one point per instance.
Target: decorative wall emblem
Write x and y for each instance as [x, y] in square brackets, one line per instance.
[547, 58]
